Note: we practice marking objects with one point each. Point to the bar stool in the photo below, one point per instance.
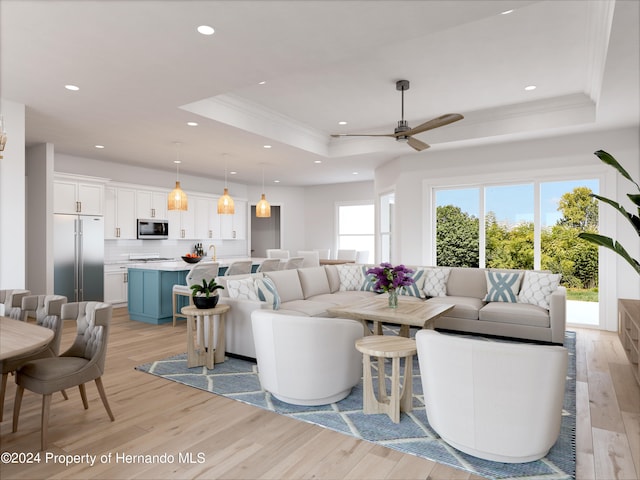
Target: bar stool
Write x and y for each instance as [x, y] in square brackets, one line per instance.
[199, 272]
[400, 397]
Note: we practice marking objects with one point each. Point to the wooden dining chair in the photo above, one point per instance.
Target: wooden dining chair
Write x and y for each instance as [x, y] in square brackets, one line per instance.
[46, 309]
[82, 362]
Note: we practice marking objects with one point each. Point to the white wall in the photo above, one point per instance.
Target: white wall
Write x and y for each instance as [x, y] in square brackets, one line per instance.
[292, 204]
[39, 219]
[320, 210]
[12, 198]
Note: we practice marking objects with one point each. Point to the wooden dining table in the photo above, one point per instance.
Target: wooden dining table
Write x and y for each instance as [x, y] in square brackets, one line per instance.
[19, 338]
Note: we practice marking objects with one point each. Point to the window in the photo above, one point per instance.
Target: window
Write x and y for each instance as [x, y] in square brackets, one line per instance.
[387, 203]
[457, 227]
[356, 228]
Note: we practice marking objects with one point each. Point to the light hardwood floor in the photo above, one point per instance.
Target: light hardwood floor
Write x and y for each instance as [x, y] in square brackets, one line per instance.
[237, 441]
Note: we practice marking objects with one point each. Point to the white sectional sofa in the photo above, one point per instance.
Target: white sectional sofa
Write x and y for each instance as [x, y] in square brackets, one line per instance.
[311, 291]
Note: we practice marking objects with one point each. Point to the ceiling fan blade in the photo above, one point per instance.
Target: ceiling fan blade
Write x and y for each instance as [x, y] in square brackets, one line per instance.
[435, 123]
[363, 135]
[417, 144]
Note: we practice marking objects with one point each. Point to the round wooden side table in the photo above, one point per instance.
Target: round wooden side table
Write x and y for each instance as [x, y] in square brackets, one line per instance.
[200, 335]
[400, 397]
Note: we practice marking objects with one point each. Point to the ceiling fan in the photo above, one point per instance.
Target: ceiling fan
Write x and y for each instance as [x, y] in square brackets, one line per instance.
[403, 133]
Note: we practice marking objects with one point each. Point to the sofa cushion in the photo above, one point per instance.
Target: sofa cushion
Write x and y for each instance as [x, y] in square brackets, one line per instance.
[266, 292]
[314, 281]
[242, 288]
[467, 282]
[435, 281]
[537, 288]
[333, 276]
[310, 308]
[502, 286]
[351, 277]
[287, 283]
[520, 314]
[465, 307]
[344, 298]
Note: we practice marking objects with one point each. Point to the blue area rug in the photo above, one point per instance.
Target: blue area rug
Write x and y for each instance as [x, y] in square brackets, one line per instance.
[238, 379]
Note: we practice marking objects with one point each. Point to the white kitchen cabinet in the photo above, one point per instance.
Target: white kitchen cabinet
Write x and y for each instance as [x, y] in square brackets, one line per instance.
[120, 213]
[234, 227]
[116, 279]
[207, 221]
[151, 204]
[77, 197]
[182, 223]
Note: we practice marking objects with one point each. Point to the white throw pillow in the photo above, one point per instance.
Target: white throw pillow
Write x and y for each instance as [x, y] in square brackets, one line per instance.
[351, 277]
[537, 288]
[266, 291]
[242, 289]
[435, 281]
[502, 286]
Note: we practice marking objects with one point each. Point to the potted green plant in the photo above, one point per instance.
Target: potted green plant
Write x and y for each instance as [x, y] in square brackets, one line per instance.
[205, 294]
[633, 219]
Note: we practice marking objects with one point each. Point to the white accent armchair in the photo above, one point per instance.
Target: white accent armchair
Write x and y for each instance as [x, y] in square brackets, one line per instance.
[493, 400]
[306, 360]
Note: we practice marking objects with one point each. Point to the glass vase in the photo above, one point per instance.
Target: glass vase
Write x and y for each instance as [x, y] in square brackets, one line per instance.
[393, 299]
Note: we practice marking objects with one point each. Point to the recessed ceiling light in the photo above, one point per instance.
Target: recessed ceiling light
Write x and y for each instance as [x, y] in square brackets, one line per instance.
[530, 87]
[342, 123]
[267, 146]
[73, 88]
[233, 173]
[262, 82]
[177, 161]
[354, 173]
[206, 30]
[99, 146]
[317, 161]
[506, 12]
[276, 181]
[192, 124]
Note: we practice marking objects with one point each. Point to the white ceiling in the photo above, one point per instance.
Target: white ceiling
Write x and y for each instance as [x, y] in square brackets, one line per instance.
[144, 72]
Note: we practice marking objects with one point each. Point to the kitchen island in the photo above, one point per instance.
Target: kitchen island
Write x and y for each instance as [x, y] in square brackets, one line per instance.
[151, 284]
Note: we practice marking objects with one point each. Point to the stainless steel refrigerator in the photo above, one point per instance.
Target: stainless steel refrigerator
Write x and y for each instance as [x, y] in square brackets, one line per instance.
[78, 257]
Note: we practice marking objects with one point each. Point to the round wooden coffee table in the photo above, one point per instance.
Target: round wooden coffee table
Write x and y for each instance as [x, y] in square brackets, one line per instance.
[200, 335]
[400, 397]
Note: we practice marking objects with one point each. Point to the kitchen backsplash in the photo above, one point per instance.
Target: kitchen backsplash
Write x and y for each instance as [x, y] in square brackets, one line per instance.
[116, 251]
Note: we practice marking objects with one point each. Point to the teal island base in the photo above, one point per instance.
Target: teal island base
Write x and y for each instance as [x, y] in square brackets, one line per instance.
[150, 293]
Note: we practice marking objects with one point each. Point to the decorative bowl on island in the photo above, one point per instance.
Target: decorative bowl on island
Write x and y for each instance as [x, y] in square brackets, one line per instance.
[191, 259]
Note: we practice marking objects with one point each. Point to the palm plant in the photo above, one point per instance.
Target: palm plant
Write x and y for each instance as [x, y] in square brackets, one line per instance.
[633, 219]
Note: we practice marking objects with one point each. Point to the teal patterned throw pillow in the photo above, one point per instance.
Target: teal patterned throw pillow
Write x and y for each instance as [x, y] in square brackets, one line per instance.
[266, 290]
[503, 286]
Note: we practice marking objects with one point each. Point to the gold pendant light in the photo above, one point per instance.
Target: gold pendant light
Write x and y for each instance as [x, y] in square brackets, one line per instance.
[263, 209]
[177, 199]
[225, 202]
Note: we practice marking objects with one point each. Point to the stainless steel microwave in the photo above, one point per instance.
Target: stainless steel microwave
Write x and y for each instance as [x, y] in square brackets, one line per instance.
[153, 229]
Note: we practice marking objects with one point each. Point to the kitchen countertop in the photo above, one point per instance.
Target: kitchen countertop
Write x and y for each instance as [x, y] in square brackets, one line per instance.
[178, 265]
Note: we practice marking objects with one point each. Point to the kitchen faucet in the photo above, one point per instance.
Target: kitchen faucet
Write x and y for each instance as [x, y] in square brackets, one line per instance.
[214, 252]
